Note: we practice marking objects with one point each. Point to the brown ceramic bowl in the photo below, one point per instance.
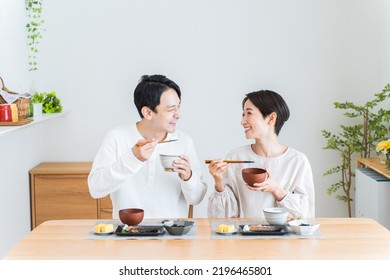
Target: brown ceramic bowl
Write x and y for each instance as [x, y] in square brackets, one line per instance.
[131, 216]
[254, 175]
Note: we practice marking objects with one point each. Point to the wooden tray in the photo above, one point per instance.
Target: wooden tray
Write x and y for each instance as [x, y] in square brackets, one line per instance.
[20, 122]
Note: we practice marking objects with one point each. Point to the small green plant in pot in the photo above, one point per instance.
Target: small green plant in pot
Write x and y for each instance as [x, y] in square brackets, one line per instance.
[36, 105]
[50, 102]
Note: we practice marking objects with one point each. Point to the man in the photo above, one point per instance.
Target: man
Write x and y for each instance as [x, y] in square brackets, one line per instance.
[127, 165]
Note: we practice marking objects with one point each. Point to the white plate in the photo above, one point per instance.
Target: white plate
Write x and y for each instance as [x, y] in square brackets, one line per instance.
[103, 233]
[227, 233]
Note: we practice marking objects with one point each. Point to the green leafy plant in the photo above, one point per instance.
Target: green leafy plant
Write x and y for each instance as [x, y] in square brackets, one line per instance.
[38, 97]
[360, 138]
[50, 102]
[35, 30]
[388, 161]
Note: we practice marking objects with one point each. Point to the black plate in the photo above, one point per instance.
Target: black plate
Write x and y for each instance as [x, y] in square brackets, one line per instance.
[276, 230]
[141, 231]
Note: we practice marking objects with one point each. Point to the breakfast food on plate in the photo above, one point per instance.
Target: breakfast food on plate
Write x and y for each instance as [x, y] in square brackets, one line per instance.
[258, 228]
[103, 228]
[133, 229]
[142, 230]
[293, 218]
[226, 228]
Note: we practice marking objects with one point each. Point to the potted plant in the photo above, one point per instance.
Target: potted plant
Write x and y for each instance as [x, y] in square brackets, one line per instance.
[50, 103]
[383, 150]
[356, 139]
[36, 104]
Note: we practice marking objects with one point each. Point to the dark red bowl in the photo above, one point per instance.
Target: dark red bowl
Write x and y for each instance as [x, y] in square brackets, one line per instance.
[131, 216]
[254, 175]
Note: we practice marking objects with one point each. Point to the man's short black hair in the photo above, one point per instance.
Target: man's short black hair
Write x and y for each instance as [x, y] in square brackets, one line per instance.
[149, 90]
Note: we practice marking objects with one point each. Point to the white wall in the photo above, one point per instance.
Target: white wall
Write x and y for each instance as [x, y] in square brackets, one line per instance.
[21, 151]
[312, 52]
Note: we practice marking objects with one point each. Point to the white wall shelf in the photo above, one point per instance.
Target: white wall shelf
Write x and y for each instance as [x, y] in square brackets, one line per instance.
[36, 120]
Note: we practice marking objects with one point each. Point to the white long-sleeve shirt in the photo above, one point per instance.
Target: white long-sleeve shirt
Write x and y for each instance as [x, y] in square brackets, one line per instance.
[132, 183]
[293, 172]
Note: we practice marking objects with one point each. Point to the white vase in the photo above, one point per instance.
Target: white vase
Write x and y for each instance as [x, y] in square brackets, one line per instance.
[37, 109]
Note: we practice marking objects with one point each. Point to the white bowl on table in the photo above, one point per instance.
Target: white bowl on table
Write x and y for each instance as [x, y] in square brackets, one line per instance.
[167, 161]
[303, 227]
[276, 215]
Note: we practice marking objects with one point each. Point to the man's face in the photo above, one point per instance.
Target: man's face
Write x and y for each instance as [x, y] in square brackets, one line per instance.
[168, 111]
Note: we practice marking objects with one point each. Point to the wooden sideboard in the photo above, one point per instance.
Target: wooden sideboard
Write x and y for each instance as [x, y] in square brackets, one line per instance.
[372, 190]
[59, 190]
[374, 164]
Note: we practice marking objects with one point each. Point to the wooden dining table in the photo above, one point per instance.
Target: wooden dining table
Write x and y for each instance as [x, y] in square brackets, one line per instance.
[341, 239]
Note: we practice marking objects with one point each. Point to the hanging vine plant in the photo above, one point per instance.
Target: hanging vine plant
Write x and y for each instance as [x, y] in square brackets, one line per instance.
[35, 29]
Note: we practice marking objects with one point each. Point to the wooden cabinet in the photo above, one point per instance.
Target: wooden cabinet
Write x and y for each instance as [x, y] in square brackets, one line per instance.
[374, 164]
[372, 197]
[59, 190]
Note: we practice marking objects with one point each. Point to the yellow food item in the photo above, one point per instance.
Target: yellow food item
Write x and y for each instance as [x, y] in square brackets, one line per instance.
[14, 113]
[108, 228]
[97, 228]
[220, 228]
[104, 228]
[230, 228]
[226, 228]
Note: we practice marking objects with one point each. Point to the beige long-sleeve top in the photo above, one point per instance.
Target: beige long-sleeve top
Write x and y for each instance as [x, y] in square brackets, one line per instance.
[291, 169]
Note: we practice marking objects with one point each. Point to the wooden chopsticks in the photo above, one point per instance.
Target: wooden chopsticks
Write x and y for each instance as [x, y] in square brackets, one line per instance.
[207, 161]
[162, 142]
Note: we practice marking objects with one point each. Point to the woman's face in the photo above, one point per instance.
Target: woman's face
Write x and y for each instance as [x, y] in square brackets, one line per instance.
[255, 125]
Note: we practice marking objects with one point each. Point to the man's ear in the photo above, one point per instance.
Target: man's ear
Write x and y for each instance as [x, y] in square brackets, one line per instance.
[146, 112]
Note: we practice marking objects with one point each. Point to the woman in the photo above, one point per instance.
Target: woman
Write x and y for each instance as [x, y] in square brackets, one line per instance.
[290, 181]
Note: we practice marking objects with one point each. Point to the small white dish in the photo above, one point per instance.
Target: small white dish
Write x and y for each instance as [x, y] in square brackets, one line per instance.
[227, 233]
[303, 227]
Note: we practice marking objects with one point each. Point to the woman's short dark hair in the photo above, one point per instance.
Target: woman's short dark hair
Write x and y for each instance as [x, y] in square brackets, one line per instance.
[268, 101]
[149, 90]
